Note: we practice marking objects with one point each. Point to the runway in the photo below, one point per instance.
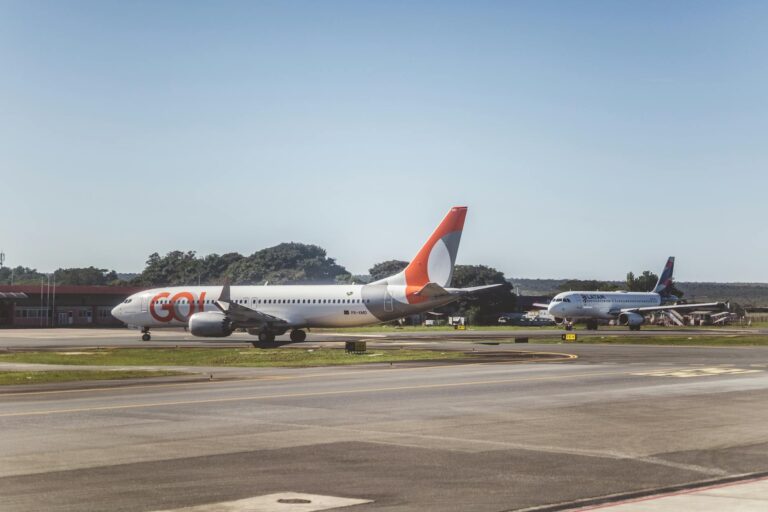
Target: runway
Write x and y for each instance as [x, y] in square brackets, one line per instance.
[488, 436]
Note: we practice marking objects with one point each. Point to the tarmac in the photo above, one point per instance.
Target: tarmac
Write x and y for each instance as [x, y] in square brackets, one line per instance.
[615, 426]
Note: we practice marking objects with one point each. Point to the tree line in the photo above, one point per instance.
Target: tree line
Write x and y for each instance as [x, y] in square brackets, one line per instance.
[86, 276]
[286, 263]
[645, 282]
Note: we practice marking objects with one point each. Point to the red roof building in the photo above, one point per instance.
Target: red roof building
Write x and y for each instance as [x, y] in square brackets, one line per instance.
[49, 306]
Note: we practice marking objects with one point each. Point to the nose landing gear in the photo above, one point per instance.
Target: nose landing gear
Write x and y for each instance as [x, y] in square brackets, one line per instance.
[145, 336]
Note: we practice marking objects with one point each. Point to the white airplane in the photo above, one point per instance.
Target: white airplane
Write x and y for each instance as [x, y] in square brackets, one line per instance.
[269, 311]
[626, 308]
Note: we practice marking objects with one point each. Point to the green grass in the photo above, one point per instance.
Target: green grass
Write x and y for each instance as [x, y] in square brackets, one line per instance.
[247, 357]
[719, 341]
[17, 378]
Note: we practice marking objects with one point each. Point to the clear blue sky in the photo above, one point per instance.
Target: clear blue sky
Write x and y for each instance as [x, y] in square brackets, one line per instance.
[587, 138]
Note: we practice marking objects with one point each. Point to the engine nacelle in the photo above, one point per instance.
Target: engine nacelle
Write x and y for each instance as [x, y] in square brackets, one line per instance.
[631, 319]
[210, 324]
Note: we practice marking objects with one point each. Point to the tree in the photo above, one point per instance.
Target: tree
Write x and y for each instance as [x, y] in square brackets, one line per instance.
[20, 275]
[175, 268]
[287, 263]
[87, 276]
[386, 269]
[213, 267]
[485, 307]
[642, 283]
[588, 285]
[646, 282]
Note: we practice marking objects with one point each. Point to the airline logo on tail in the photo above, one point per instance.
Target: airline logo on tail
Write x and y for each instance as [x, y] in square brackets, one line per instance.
[665, 279]
[434, 262]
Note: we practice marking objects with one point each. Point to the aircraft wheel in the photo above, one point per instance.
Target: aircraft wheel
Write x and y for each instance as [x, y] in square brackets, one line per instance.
[146, 337]
[297, 335]
[634, 327]
[568, 327]
[592, 325]
[266, 337]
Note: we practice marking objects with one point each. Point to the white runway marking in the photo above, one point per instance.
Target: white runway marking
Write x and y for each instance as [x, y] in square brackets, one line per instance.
[284, 501]
[697, 372]
[744, 497]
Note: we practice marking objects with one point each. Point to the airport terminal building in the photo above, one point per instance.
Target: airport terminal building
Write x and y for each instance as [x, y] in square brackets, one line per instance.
[46, 306]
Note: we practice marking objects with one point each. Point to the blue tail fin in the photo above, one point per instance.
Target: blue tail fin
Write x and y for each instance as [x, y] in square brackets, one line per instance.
[665, 278]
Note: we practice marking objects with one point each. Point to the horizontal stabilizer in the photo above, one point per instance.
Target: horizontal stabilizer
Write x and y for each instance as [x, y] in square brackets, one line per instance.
[432, 290]
[474, 289]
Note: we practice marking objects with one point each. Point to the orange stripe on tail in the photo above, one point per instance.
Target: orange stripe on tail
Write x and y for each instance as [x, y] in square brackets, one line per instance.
[417, 272]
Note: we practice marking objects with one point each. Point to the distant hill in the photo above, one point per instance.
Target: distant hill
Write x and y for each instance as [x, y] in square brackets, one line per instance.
[746, 294]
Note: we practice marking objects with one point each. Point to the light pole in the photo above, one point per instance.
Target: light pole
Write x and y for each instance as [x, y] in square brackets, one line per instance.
[53, 306]
[48, 303]
[42, 288]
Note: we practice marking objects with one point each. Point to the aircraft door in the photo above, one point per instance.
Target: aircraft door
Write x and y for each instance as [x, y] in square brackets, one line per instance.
[388, 303]
[144, 300]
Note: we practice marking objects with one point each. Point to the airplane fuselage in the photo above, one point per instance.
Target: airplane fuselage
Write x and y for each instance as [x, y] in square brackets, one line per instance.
[599, 305]
[298, 305]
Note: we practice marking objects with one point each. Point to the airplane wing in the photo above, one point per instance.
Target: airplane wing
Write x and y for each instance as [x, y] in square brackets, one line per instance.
[243, 316]
[540, 305]
[651, 309]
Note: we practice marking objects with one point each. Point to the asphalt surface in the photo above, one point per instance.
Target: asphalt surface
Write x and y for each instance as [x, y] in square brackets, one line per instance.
[73, 338]
[490, 436]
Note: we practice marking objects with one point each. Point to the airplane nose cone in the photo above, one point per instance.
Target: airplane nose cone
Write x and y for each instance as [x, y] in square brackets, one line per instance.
[116, 311]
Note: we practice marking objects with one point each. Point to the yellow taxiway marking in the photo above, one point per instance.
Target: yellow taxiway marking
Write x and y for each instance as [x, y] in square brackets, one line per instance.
[231, 380]
[696, 372]
[310, 394]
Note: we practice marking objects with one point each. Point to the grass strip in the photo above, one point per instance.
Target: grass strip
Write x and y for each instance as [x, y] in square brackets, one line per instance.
[697, 340]
[241, 357]
[43, 377]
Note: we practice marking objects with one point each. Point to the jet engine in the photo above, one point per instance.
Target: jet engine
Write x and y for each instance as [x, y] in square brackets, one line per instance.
[631, 319]
[210, 324]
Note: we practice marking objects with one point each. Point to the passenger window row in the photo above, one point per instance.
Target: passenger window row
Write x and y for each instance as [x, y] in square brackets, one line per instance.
[274, 301]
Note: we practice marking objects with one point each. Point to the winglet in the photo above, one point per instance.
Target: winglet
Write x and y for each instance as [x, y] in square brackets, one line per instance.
[224, 296]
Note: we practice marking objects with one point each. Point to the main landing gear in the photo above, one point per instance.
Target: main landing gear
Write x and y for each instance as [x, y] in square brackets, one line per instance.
[297, 335]
[145, 336]
[266, 337]
[592, 325]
